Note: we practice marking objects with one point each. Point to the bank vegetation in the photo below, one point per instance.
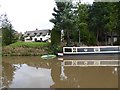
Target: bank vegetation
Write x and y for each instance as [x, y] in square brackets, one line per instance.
[26, 49]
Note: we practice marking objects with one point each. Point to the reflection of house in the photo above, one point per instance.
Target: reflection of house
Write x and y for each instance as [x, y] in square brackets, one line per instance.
[37, 36]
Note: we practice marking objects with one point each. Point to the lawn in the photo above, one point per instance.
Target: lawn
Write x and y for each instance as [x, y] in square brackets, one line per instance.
[30, 44]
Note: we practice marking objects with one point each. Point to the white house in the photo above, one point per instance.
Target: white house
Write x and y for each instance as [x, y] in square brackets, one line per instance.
[37, 36]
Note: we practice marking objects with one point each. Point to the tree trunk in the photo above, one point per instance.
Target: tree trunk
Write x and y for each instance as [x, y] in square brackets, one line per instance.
[68, 38]
[97, 37]
[79, 36]
[111, 42]
[106, 39]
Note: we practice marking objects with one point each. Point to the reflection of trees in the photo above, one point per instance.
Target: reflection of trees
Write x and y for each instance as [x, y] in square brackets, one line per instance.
[30, 61]
[83, 77]
[119, 77]
[55, 73]
[7, 74]
[10, 64]
[92, 57]
[63, 77]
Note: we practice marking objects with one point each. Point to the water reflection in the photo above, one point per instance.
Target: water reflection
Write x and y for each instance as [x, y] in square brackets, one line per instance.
[33, 72]
[86, 77]
[62, 75]
[26, 73]
[8, 71]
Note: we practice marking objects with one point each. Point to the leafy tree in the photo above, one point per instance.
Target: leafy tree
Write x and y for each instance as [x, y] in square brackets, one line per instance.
[112, 20]
[118, 21]
[103, 19]
[57, 20]
[98, 18]
[89, 24]
[64, 19]
[85, 36]
[7, 31]
[55, 37]
[55, 41]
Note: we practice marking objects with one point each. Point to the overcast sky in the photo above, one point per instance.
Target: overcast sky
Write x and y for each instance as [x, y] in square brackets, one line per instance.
[27, 15]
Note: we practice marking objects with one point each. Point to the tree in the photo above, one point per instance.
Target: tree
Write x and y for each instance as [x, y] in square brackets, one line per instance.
[57, 20]
[85, 36]
[118, 21]
[55, 37]
[103, 19]
[64, 18]
[112, 23]
[7, 31]
[98, 18]
[89, 24]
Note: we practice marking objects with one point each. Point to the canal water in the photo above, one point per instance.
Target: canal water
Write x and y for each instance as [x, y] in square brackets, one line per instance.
[34, 72]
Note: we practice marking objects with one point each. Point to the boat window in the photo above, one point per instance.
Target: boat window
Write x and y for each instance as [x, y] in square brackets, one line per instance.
[74, 49]
[85, 50]
[109, 49]
[68, 49]
[80, 50]
[118, 48]
[97, 49]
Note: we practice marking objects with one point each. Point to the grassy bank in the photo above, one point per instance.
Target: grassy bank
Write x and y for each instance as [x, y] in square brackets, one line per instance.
[26, 49]
[29, 44]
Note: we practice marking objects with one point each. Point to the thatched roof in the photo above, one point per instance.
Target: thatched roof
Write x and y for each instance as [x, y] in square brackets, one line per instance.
[37, 32]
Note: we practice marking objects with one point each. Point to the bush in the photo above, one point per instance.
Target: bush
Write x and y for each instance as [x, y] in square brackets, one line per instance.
[55, 37]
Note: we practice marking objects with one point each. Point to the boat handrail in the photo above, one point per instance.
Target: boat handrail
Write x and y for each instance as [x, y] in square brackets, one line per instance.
[92, 47]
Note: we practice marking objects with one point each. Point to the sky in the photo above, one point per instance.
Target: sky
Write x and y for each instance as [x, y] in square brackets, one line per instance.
[27, 15]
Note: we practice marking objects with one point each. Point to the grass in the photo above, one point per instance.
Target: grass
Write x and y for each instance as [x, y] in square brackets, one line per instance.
[30, 44]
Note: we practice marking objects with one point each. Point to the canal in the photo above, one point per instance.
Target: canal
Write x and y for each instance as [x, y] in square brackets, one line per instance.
[34, 72]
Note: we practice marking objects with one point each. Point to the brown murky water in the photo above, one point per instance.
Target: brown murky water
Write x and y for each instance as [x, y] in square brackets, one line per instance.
[34, 72]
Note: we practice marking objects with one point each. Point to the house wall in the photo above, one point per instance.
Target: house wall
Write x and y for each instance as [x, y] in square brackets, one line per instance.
[27, 39]
[38, 38]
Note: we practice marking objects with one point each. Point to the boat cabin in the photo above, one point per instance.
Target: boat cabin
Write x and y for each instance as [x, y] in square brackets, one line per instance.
[91, 50]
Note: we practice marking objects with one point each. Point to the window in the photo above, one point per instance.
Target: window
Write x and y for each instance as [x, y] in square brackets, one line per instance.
[40, 39]
[96, 49]
[40, 33]
[35, 39]
[85, 50]
[35, 33]
[30, 38]
[43, 35]
[68, 49]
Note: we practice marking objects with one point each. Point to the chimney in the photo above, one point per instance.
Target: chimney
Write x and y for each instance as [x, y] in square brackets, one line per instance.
[36, 29]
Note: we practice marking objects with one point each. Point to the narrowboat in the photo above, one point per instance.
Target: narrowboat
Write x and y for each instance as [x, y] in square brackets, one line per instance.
[91, 50]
